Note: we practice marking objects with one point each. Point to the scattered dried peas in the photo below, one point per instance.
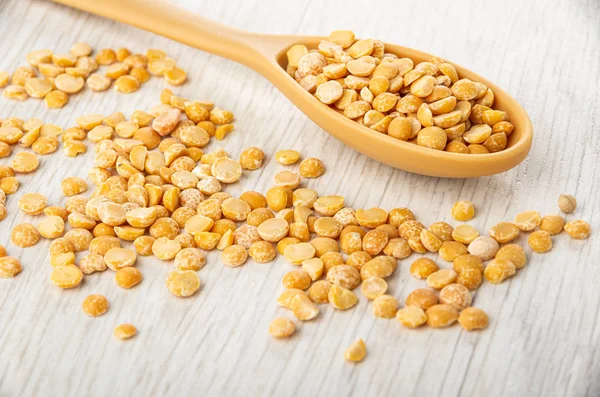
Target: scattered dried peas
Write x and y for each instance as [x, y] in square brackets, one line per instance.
[326, 248]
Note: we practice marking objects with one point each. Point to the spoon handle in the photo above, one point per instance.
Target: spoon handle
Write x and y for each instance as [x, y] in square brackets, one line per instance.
[179, 24]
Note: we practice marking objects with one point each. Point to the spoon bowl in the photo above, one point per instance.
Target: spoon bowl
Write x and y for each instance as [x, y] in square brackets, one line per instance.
[266, 54]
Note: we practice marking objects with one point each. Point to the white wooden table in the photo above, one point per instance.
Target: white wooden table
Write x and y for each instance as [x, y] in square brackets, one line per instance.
[544, 336]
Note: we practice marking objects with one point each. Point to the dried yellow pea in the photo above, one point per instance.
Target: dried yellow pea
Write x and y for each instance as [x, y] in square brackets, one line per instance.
[95, 305]
[356, 352]
[578, 229]
[66, 276]
[183, 283]
[125, 331]
[281, 328]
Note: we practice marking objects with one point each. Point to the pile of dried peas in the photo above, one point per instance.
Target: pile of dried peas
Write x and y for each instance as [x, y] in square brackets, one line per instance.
[427, 104]
[66, 74]
[156, 188]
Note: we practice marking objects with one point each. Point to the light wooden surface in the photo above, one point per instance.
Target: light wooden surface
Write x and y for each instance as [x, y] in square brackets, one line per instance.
[544, 335]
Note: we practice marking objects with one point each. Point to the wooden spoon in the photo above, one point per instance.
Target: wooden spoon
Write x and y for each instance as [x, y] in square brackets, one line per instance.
[266, 54]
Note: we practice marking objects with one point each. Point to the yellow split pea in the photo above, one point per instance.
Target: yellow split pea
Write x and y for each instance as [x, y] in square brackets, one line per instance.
[234, 256]
[356, 352]
[118, 258]
[128, 277]
[33, 203]
[183, 283]
[463, 211]
[25, 235]
[281, 327]
[95, 305]
[579, 229]
[287, 157]
[411, 316]
[25, 162]
[66, 276]
[312, 168]
[125, 331]
[9, 267]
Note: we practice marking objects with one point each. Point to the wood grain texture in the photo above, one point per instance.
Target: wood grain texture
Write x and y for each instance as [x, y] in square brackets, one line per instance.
[544, 335]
